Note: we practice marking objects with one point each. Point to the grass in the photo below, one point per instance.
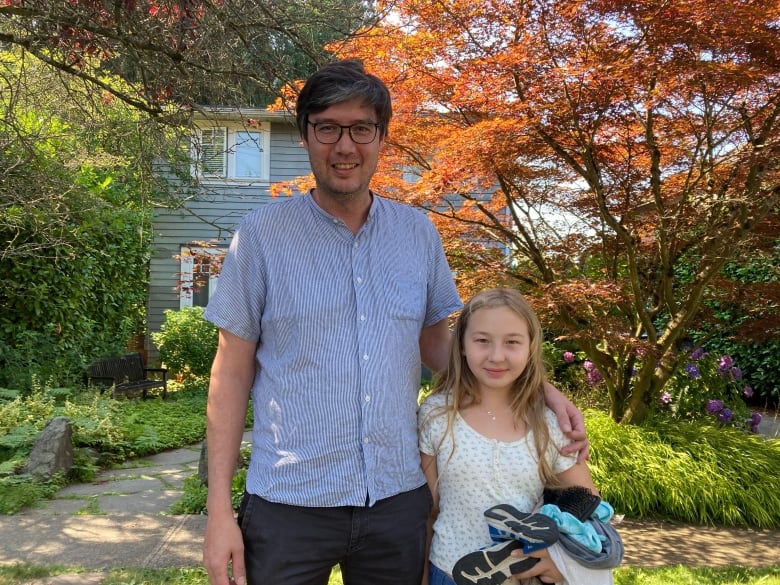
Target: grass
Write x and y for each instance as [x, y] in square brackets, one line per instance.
[18, 574]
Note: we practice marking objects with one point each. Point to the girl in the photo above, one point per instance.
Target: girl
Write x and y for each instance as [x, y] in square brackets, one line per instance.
[489, 447]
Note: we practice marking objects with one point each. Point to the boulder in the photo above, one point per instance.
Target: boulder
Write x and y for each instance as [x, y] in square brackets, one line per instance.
[53, 450]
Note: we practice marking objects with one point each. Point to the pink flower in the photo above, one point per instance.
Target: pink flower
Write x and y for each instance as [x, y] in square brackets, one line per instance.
[568, 357]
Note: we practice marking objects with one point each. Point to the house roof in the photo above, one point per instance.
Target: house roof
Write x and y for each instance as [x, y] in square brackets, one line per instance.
[238, 114]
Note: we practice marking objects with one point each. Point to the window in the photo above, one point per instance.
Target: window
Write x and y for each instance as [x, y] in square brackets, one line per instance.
[232, 153]
[199, 275]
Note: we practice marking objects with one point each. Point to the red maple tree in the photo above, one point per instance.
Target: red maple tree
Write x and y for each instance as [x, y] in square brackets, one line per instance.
[607, 157]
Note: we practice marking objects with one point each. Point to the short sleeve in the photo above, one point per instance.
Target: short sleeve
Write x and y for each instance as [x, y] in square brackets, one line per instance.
[430, 419]
[558, 462]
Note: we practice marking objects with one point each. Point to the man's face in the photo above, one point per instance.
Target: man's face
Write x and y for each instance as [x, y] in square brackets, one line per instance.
[343, 170]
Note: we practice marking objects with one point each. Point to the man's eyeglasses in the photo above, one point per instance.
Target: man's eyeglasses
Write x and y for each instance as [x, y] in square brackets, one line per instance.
[360, 133]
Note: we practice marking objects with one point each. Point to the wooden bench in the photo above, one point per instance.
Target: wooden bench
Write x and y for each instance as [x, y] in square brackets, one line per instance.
[127, 374]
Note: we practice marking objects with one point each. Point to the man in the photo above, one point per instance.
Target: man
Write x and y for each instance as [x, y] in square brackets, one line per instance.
[326, 305]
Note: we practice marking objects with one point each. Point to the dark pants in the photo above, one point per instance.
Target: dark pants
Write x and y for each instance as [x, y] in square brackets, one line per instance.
[294, 545]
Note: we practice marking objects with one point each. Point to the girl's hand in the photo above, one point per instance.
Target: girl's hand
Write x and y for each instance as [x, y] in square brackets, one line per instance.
[571, 421]
[545, 570]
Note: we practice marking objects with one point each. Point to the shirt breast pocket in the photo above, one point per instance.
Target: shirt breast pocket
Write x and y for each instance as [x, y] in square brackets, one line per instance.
[405, 296]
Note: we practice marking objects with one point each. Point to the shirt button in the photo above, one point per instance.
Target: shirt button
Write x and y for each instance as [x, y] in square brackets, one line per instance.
[362, 317]
[365, 357]
[359, 279]
[367, 398]
[365, 440]
[355, 245]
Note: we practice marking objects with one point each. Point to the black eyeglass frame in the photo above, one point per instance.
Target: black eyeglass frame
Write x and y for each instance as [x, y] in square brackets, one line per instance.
[376, 126]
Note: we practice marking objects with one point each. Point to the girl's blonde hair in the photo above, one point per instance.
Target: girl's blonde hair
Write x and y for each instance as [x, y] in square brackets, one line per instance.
[460, 386]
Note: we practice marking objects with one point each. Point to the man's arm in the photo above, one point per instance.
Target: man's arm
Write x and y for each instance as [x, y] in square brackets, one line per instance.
[571, 421]
[232, 375]
[435, 341]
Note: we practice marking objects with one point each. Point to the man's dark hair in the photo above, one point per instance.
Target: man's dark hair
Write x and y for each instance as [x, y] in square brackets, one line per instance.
[339, 82]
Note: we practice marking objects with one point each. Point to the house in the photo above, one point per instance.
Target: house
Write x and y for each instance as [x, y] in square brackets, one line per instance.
[237, 154]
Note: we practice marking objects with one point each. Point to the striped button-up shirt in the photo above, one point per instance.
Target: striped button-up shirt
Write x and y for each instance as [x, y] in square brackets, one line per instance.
[337, 317]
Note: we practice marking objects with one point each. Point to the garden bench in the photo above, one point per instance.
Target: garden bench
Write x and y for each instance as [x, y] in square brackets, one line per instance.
[127, 374]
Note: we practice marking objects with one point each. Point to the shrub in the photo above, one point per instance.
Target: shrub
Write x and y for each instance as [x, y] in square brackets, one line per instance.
[710, 386]
[187, 342]
[691, 471]
[761, 365]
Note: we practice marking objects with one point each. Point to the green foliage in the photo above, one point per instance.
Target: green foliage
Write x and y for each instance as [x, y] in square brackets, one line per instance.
[193, 499]
[692, 471]
[187, 342]
[151, 426]
[760, 363]
[698, 576]
[25, 572]
[172, 576]
[106, 431]
[709, 386]
[80, 302]
[746, 325]
[74, 233]
[21, 491]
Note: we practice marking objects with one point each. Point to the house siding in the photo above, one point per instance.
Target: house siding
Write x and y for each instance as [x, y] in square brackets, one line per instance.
[212, 216]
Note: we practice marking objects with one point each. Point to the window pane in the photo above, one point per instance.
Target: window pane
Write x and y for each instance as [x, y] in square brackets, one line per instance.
[213, 156]
[248, 152]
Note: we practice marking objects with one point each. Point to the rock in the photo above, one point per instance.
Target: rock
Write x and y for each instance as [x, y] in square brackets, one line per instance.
[53, 450]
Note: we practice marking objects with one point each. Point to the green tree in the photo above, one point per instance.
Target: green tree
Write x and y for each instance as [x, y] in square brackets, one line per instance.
[234, 52]
[74, 225]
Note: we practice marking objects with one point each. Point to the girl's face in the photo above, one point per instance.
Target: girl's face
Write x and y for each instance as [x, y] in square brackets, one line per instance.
[497, 347]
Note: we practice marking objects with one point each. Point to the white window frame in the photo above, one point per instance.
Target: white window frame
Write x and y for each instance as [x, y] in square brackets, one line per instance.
[222, 145]
[186, 273]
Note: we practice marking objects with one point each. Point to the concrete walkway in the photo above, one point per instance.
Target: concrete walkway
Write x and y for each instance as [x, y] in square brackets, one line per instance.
[122, 519]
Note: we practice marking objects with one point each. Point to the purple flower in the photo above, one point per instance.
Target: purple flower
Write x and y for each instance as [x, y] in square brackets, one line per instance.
[693, 371]
[594, 376]
[588, 365]
[697, 354]
[665, 399]
[724, 365]
[568, 357]
[714, 406]
[736, 372]
[747, 391]
[754, 421]
[725, 415]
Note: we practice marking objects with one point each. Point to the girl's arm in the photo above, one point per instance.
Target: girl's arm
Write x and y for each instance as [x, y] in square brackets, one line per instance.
[431, 472]
[578, 474]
